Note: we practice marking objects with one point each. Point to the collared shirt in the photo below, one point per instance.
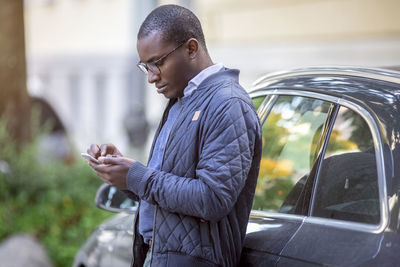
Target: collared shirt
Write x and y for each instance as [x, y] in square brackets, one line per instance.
[146, 211]
[196, 81]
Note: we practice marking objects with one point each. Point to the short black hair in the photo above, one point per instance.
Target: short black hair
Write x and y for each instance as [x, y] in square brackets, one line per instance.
[175, 23]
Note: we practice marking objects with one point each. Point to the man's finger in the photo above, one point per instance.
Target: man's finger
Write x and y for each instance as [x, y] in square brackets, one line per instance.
[92, 164]
[100, 168]
[103, 149]
[94, 150]
[103, 176]
[104, 179]
[111, 160]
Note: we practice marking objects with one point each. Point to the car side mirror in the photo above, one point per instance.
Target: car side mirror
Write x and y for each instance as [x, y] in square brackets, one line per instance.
[110, 198]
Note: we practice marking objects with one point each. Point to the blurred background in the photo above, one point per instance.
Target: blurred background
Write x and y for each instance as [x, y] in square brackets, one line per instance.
[68, 78]
[82, 53]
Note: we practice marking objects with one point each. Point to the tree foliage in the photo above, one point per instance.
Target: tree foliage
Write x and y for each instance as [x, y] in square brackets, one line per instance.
[50, 200]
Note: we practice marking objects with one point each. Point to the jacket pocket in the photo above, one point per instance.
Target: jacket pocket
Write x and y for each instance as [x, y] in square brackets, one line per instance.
[205, 234]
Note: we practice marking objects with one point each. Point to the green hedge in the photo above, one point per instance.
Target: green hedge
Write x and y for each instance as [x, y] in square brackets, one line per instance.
[50, 200]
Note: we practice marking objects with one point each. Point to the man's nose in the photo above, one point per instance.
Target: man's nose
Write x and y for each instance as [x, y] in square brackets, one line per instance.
[151, 77]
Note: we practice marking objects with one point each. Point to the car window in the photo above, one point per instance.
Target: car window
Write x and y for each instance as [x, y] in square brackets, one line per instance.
[290, 137]
[347, 184]
[257, 101]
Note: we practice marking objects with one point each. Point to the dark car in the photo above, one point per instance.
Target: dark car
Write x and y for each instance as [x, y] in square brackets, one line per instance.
[328, 188]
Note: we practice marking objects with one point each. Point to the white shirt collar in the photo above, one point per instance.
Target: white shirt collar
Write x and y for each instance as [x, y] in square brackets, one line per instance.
[199, 78]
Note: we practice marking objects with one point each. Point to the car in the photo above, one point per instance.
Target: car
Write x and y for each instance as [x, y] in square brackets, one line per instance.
[328, 187]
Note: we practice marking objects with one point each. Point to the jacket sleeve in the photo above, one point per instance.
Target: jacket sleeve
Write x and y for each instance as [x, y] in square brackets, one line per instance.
[221, 172]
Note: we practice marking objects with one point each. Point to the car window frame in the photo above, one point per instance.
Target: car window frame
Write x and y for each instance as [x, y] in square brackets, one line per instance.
[263, 112]
[274, 93]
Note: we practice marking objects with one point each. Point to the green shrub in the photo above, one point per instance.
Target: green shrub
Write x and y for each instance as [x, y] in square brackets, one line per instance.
[50, 200]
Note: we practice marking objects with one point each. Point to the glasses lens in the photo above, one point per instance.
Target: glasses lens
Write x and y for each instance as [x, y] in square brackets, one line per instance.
[142, 67]
[153, 68]
[149, 66]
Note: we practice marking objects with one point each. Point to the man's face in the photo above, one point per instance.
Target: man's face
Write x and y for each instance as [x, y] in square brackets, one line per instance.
[172, 79]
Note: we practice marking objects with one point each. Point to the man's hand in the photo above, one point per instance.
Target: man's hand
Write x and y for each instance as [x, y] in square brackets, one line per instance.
[113, 170]
[103, 150]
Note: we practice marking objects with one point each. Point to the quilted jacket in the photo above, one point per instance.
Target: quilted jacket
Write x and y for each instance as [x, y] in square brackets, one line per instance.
[204, 191]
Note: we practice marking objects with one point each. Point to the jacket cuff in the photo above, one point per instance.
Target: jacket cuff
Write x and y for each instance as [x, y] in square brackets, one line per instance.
[136, 177]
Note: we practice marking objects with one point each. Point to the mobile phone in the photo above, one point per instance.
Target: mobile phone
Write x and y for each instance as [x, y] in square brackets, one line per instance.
[89, 157]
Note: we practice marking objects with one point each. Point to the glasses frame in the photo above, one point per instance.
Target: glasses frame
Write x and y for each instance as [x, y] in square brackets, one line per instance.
[154, 66]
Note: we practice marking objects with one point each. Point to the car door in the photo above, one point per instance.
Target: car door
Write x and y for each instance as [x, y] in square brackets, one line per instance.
[293, 128]
[348, 211]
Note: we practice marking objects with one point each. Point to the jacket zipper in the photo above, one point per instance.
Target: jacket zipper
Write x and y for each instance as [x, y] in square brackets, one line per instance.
[134, 235]
[152, 234]
[162, 163]
[150, 155]
[163, 120]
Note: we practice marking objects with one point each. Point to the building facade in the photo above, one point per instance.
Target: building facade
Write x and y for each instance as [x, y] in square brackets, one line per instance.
[82, 54]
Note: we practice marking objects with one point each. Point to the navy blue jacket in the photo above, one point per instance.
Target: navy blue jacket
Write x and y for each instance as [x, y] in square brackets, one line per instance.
[204, 191]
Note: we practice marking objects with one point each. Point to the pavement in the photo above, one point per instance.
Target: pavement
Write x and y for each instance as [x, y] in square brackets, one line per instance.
[23, 250]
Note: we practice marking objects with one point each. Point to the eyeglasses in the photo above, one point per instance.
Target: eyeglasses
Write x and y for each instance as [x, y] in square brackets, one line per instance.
[154, 66]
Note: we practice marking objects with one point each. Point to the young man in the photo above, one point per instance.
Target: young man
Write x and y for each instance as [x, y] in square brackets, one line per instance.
[197, 189]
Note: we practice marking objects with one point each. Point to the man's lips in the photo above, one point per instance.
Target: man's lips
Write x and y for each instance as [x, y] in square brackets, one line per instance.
[161, 89]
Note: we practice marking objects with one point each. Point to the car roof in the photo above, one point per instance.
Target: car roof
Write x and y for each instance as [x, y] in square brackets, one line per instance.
[396, 68]
[368, 85]
[391, 75]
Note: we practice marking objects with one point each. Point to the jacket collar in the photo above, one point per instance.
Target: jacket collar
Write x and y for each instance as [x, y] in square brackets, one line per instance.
[209, 83]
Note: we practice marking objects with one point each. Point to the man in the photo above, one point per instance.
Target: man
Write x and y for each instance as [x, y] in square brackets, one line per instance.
[197, 190]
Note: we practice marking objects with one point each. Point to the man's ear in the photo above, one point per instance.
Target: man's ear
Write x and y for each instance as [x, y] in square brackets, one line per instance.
[193, 47]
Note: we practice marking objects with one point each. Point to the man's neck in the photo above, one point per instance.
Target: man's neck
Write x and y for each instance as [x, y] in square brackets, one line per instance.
[201, 65]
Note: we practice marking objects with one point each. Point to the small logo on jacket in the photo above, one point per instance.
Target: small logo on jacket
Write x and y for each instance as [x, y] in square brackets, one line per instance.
[196, 115]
